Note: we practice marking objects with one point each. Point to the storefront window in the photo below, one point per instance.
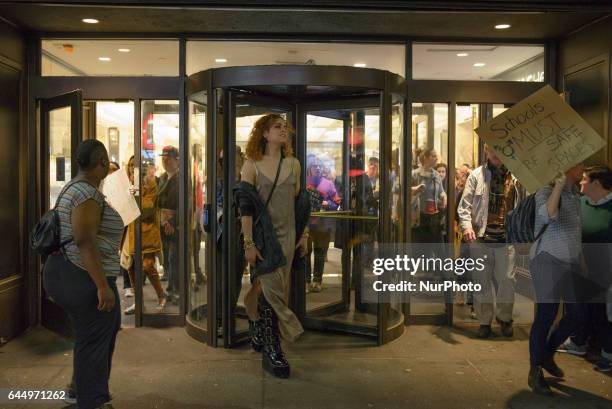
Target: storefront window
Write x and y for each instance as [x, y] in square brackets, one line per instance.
[203, 55]
[71, 57]
[159, 190]
[478, 62]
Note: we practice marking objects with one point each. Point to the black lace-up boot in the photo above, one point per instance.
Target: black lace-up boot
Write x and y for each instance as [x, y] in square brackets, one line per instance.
[256, 329]
[273, 359]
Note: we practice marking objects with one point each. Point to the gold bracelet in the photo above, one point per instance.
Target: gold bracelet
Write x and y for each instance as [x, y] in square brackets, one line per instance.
[248, 243]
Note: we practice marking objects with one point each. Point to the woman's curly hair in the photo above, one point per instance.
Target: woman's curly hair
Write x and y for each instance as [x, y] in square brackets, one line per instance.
[256, 146]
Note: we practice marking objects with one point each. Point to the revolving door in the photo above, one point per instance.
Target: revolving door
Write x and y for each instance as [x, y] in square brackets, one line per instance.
[349, 136]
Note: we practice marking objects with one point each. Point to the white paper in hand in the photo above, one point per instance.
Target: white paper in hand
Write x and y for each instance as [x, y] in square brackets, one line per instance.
[117, 191]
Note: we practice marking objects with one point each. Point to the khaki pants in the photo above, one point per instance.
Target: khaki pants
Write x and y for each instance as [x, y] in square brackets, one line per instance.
[497, 281]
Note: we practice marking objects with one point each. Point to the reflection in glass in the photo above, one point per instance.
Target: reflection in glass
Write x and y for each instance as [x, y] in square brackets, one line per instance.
[59, 151]
[160, 197]
[197, 198]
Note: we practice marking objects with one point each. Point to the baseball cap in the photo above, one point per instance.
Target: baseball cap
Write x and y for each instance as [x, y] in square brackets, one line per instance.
[170, 151]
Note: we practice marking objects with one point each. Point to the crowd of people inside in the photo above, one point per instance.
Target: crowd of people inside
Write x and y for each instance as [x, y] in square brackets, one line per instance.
[571, 260]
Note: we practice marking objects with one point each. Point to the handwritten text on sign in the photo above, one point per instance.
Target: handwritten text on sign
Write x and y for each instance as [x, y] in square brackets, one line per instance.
[539, 137]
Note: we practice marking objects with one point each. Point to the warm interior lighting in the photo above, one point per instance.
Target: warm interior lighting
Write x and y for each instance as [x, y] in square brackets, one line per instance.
[359, 64]
[479, 64]
[220, 60]
[104, 58]
[462, 55]
[90, 21]
[124, 50]
[502, 26]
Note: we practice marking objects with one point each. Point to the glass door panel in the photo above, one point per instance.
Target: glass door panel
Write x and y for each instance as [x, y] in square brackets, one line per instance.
[396, 185]
[429, 200]
[60, 151]
[112, 123]
[467, 149]
[324, 175]
[343, 173]
[198, 200]
[159, 198]
[246, 110]
[61, 131]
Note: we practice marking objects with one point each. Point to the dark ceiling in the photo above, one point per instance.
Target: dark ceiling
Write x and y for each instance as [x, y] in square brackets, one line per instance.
[368, 19]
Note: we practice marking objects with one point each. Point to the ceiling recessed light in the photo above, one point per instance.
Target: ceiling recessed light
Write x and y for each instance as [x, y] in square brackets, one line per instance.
[502, 26]
[90, 21]
[479, 64]
[462, 55]
[104, 58]
[359, 64]
[124, 50]
[220, 60]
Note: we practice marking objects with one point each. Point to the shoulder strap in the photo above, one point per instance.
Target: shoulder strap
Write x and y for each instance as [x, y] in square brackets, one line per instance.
[280, 162]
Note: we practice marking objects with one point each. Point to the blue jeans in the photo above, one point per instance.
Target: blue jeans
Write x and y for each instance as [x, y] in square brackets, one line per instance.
[95, 331]
[553, 281]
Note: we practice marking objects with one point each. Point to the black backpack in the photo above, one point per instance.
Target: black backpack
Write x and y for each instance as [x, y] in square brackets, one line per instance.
[45, 238]
[520, 222]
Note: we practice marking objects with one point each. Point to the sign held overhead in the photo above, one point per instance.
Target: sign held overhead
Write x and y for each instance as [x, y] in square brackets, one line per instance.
[540, 137]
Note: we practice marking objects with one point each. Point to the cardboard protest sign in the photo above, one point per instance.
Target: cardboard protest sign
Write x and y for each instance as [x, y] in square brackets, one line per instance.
[539, 137]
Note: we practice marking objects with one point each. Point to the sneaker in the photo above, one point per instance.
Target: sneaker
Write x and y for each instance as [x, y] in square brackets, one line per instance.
[484, 331]
[506, 328]
[130, 310]
[71, 397]
[603, 365]
[537, 383]
[569, 347]
[316, 288]
[129, 292]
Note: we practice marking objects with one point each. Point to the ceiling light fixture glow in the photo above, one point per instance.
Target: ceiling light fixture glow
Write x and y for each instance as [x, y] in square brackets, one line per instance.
[124, 50]
[90, 21]
[479, 64]
[462, 55]
[220, 60]
[502, 26]
[360, 65]
[104, 58]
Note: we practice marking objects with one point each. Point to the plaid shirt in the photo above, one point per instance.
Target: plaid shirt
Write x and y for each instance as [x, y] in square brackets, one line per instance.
[563, 236]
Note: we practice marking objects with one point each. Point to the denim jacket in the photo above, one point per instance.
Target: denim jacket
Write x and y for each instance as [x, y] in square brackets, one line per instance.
[473, 210]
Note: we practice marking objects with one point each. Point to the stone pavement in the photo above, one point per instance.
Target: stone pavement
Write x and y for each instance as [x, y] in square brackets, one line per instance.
[428, 367]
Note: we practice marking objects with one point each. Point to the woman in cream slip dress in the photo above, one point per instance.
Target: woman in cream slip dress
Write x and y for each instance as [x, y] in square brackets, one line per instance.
[267, 300]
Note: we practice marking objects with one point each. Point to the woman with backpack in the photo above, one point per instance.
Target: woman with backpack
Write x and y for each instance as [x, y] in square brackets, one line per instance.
[81, 278]
[556, 263]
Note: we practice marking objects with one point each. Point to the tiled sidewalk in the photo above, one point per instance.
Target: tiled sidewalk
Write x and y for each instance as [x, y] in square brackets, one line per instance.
[428, 367]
